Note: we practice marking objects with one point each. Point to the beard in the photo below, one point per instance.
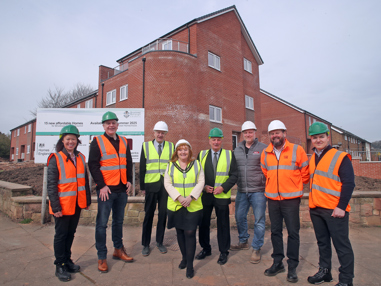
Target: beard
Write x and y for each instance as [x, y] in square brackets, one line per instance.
[278, 143]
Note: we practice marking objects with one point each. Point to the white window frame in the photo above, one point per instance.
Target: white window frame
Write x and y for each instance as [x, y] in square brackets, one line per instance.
[214, 61]
[18, 132]
[78, 105]
[25, 129]
[29, 128]
[249, 102]
[247, 66]
[28, 149]
[17, 151]
[111, 97]
[123, 94]
[166, 45]
[89, 103]
[14, 133]
[215, 114]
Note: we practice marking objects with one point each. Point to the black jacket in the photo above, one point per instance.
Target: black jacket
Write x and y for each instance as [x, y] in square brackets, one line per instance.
[208, 198]
[52, 183]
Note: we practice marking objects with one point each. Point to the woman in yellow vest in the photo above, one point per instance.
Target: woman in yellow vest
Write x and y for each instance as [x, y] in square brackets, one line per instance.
[69, 192]
[184, 181]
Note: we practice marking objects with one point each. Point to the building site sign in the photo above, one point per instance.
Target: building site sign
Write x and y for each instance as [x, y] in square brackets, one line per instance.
[89, 123]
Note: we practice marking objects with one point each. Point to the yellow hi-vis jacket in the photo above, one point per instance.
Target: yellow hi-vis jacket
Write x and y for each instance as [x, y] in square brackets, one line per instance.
[222, 172]
[155, 165]
[325, 184]
[113, 165]
[71, 183]
[184, 184]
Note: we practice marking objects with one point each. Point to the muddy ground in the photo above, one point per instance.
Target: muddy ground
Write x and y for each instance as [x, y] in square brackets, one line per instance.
[30, 174]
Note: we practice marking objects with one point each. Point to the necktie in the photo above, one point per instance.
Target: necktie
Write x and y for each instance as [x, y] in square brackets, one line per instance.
[215, 160]
[159, 151]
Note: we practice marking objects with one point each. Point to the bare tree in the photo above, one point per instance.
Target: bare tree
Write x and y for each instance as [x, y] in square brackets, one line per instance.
[57, 98]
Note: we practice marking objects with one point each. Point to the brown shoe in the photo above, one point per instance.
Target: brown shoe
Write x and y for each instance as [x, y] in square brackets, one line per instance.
[255, 256]
[240, 246]
[102, 265]
[121, 254]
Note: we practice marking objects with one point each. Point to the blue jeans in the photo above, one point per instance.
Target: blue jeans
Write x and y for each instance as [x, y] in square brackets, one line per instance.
[117, 203]
[242, 205]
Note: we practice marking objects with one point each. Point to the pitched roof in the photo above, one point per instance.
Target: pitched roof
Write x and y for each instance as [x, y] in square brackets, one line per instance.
[207, 17]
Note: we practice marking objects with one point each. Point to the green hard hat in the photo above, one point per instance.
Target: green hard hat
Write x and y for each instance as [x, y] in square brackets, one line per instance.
[69, 129]
[216, 132]
[109, 116]
[317, 128]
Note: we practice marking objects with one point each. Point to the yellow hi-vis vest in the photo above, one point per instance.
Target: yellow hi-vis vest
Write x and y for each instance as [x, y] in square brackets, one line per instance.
[155, 165]
[184, 184]
[222, 172]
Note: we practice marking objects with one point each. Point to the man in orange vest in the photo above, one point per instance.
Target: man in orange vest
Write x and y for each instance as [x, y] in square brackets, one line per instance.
[110, 164]
[331, 187]
[285, 166]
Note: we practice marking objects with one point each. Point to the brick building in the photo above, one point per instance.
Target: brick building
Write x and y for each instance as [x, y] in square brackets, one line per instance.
[201, 75]
[23, 140]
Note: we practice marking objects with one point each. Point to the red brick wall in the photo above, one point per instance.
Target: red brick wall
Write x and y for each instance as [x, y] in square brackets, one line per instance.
[22, 141]
[367, 169]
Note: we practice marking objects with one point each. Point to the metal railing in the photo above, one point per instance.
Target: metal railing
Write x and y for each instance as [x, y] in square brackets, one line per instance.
[367, 155]
[166, 45]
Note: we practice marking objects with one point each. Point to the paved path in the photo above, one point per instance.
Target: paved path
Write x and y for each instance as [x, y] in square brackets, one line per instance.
[26, 258]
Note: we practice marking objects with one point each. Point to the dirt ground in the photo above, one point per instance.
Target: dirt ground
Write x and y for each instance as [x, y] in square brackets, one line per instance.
[30, 174]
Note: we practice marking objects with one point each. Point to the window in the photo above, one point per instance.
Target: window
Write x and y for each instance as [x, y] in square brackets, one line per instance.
[18, 132]
[78, 105]
[249, 102]
[28, 149]
[345, 137]
[215, 114]
[247, 65]
[14, 133]
[29, 127]
[89, 103]
[123, 92]
[17, 151]
[167, 45]
[25, 129]
[111, 97]
[213, 61]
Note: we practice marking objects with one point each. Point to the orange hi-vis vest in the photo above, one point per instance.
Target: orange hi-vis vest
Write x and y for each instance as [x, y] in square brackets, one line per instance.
[325, 184]
[285, 178]
[71, 183]
[113, 165]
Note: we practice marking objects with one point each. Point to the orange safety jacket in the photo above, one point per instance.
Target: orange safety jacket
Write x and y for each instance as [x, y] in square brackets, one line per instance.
[325, 184]
[71, 183]
[285, 178]
[113, 165]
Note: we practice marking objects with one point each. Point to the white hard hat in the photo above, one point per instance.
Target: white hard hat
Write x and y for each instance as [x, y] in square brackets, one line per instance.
[160, 126]
[182, 141]
[276, 125]
[248, 125]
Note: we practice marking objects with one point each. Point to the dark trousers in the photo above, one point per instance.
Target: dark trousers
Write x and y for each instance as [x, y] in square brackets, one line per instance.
[117, 203]
[223, 227]
[65, 227]
[287, 210]
[326, 228]
[151, 199]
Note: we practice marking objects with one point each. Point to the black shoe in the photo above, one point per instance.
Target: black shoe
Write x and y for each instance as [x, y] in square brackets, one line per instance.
[223, 258]
[62, 273]
[323, 275]
[190, 273]
[291, 275]
[183, 264]
[275, 269]
[344, 284]
[71, 267]
[202, 254]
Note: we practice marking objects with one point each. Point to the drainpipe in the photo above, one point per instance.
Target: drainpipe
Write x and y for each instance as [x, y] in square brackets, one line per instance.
[306, 130]
[188, 39]
[144, 73]
[103, 84]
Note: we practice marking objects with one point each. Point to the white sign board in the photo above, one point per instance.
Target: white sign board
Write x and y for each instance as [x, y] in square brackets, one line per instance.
[89, 123]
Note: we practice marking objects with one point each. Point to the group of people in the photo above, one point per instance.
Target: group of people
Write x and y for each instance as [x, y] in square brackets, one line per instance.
[186, 190]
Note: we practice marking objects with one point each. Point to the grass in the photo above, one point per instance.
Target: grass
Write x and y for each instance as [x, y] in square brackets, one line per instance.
[26, 221]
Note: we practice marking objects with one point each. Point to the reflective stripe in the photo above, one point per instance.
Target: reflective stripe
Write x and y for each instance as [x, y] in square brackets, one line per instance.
[304, 165]
[65, 180]
[326, 175]
[285, 195]
[291, 167]
[122, 156]
[170, 149]
[103, 149]
[67, 194]
[325, 190]
[329, 174]
[81, 176]
[108, 168]
[81, 188]
[152, 161]
[271, 195]
[191, 185]
[222, 174]
[153, 171]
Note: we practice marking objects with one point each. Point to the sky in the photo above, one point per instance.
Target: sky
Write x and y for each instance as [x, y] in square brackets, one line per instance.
[320, 55]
